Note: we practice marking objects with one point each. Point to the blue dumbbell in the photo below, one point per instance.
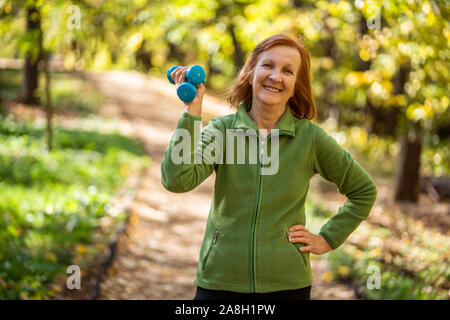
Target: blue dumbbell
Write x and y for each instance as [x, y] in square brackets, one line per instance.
[187, 90]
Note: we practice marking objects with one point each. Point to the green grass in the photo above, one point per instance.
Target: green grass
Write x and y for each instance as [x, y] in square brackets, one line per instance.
[52, 203]
[54, 206]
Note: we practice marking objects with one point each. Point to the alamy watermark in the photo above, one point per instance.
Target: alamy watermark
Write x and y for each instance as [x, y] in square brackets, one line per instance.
[236, 150]
[373, 11]
[74, 281]
[374, 280]
[74, 20]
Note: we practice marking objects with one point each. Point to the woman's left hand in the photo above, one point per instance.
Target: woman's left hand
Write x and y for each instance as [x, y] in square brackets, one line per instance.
[314, 243]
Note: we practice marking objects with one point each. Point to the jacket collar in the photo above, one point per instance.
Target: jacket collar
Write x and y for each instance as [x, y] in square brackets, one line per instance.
[242, 120]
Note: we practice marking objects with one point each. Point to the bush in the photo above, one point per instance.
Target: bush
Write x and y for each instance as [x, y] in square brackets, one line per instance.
[52, 204]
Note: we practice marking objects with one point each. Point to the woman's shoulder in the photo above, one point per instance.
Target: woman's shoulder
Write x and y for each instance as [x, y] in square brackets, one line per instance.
[222, 122]
[310, 125]
[305, 125]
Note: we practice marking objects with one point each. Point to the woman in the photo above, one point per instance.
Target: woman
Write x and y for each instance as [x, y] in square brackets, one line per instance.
[256, 244]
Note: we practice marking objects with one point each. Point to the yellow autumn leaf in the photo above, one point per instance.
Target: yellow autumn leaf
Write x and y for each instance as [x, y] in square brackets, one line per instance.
[327, 276]
[368, 77]
[364, 55]
[375, 252]
[135, 41]
[343, 270]
[357, 254]
[400, 99]
[251, 11]
[134, 220]
[333, 9]
[111, 271]
[431, 19]
[56, 288]
[352, 79]
[81, 249]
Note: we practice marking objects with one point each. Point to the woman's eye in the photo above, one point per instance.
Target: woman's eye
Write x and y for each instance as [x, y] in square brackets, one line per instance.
[289, 71]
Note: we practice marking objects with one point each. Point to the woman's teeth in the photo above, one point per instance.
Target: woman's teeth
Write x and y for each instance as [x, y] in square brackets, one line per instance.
[271, 89]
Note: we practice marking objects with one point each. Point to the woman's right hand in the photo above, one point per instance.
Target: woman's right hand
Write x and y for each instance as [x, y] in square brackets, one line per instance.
[195, 106]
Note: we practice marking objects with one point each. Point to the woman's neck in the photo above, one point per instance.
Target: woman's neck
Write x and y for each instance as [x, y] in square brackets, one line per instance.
[265, 117]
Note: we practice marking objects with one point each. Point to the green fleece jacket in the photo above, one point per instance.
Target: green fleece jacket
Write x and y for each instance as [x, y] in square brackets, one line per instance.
[245, 248]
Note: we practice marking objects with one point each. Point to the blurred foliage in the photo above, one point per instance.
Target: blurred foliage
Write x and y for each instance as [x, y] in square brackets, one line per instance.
[66, 97]
[9, 84]
[54, 207]
[360, 50]
[366, 56]
[371, 150]
[66, 89]
[53, 204]
[412, 261]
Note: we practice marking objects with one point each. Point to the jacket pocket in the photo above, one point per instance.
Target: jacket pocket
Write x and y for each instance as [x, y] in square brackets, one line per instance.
[302, 254]
[213, 242]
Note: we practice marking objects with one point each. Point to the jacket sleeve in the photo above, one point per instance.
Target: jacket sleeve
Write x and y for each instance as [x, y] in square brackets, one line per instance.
[186, 164]
[336, 165]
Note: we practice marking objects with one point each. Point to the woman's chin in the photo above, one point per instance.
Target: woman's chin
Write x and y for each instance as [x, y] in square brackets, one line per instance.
[271, 101]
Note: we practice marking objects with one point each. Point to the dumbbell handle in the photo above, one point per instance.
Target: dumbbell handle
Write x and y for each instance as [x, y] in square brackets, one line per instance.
[195, 75]
[187, 90]
[169, 77]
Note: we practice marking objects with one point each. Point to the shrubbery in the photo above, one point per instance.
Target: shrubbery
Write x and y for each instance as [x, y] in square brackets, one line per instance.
[54, 204]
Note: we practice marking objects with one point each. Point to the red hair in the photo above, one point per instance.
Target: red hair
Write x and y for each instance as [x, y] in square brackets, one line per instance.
[302, 102]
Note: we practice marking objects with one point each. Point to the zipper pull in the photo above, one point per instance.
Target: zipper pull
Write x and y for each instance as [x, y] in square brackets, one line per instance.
[261, 150]
[215, 236]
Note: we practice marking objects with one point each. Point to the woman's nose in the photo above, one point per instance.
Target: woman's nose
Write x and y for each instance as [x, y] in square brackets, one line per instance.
[275, 76]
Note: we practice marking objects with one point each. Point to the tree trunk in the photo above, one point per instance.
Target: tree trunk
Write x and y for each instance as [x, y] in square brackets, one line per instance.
[212, 70]
[32, 57]
[176, 54]
[407, 184]
[384, 121]
[48, 102]
[143, 58]
[297, 3]
[238, 53]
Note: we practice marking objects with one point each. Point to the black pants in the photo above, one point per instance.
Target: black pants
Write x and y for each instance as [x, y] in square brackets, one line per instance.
[298, 294]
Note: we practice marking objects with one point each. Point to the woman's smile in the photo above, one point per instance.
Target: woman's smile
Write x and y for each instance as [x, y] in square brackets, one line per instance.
[271, 89]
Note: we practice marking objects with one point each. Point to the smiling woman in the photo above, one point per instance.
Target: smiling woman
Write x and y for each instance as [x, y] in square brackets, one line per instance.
[273, 84]
[281, 63]
[256, 244]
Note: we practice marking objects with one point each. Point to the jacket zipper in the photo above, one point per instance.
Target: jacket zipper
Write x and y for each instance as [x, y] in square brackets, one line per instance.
[216, 235]
[255, 214]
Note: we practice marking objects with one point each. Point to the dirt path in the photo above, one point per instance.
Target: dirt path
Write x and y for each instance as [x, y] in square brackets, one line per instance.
[157, 255]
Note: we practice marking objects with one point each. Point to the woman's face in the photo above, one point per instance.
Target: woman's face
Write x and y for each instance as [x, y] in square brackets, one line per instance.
[274, 76]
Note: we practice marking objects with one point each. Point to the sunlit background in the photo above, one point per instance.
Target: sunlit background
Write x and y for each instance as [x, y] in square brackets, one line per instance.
[380, 72]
